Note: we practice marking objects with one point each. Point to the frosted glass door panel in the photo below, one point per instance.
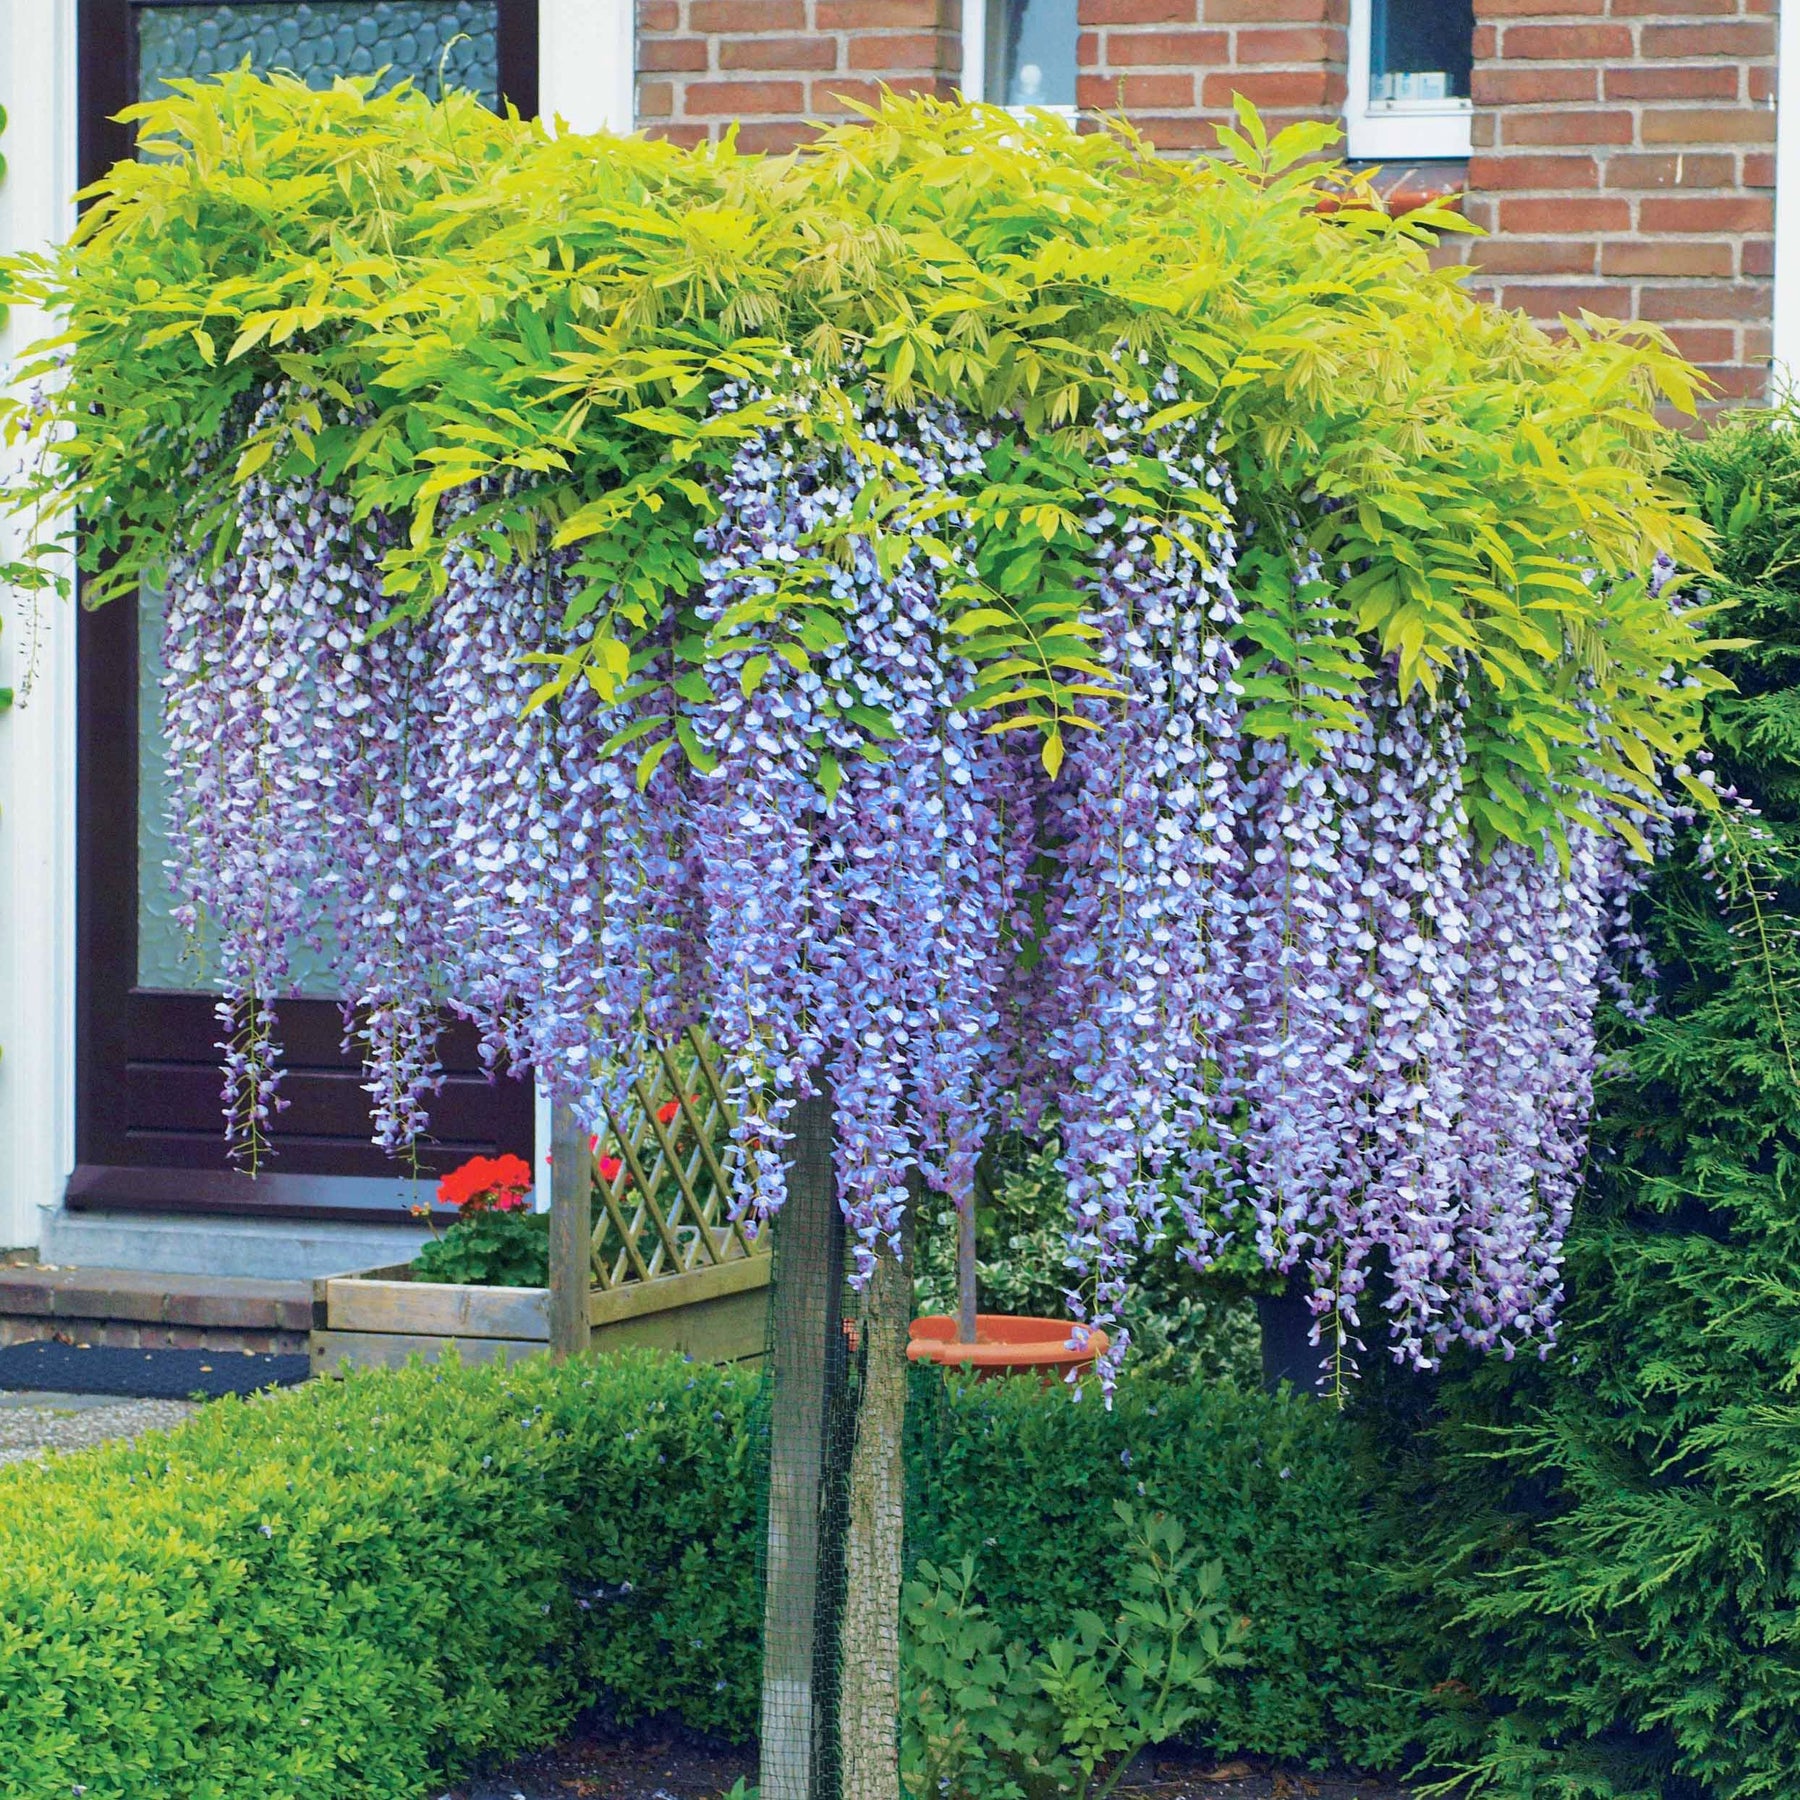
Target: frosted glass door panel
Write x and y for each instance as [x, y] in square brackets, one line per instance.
[318, 41]
[323, 39]
[169, 959]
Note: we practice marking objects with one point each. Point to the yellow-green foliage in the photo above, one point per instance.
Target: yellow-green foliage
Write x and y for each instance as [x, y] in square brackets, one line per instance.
[496, 298]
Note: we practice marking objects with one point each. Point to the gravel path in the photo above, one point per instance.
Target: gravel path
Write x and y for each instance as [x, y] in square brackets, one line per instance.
[31, 1423]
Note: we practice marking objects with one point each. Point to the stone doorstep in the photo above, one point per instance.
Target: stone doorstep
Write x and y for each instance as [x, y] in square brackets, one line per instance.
[110, 1334]
[140, 1309]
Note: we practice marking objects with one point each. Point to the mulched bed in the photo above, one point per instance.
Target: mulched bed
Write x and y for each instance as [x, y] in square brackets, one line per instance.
[145, 1374]
[672, 1764]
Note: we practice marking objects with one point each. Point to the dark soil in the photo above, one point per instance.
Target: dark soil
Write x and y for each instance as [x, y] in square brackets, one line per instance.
[600, 1764]
[1193, 1775]
[672, 1764]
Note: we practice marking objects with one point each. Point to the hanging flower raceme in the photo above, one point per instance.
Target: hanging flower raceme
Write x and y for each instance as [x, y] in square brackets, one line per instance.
[1267, 989]
[248, 705]
[850, 836]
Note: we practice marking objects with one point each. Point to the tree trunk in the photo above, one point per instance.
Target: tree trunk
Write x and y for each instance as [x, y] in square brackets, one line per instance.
[869, 1693]
[806, 1346]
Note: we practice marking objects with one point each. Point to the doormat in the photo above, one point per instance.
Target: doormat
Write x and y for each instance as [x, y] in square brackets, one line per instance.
[60, 1368]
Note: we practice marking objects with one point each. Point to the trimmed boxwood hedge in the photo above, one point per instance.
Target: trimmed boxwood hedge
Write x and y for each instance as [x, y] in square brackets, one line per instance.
[359, 1588]
[1280, 1490]
[346, 1590]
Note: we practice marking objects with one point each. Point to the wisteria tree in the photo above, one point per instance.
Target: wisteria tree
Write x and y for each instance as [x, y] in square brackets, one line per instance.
[980, 619]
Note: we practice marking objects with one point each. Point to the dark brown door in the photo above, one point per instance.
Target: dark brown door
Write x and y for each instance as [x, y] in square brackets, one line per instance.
[149, 1129]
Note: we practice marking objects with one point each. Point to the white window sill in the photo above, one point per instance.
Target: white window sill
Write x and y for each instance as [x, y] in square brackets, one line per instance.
[1409, 131]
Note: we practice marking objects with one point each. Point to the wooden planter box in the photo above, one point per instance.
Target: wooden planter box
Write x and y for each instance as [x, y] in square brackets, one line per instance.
[379, 1318]
[672, 1272]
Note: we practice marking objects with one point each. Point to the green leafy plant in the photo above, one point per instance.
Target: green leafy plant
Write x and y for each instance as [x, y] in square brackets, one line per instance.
[986, 1723]
[1279, 1491]
[494, 1249]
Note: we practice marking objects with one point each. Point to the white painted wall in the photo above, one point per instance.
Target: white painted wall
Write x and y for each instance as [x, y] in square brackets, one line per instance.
[1786, 372]
[37, 737]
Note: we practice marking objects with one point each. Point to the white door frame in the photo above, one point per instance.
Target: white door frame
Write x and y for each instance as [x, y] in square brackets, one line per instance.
[587, 56]
[37, 735]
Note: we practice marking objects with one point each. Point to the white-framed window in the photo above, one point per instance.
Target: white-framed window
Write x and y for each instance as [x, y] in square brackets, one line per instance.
[1410, 63]
[1020, 53]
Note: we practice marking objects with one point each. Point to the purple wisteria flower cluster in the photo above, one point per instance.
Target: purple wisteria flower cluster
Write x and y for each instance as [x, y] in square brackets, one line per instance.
[1267, 996]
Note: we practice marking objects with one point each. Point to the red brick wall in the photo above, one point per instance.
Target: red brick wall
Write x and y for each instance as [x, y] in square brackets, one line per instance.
[771, 65]
[1172, 66]
[1623, 148]
[1624, 162]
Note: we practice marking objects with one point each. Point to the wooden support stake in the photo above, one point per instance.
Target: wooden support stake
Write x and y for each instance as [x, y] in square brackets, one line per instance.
[806, 1333]
[571, 1233]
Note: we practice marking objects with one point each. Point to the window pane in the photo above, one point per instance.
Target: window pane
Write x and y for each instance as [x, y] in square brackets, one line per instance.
[1031, 52]
[319, 40]
[1420, 50]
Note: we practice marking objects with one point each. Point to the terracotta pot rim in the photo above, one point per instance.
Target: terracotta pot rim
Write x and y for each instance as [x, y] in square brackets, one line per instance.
[1043, 1344]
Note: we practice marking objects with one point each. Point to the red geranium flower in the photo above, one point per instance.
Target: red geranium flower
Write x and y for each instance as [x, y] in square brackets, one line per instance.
[609, 1167]
[669, 1108]
[499, 1182]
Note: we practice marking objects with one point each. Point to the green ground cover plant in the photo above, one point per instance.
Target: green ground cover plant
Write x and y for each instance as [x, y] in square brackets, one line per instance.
[1609, 1543]
[988, 1719]
[360, 1588]
[1279, 1490]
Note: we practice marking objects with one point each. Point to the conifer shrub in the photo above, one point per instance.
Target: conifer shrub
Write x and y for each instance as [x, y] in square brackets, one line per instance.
[1609, 1541]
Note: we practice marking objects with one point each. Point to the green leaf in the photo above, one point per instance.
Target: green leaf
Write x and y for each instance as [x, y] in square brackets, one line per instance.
[651, 758]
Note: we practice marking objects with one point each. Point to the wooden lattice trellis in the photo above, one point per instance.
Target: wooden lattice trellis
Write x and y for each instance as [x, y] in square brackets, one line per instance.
[667, 1210]
[668, 1267]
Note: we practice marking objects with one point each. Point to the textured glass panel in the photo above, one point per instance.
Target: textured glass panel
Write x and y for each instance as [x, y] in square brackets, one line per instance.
[1031, 52]
[318, 41]
[322, 39]
[168, 958]
[1420, 50]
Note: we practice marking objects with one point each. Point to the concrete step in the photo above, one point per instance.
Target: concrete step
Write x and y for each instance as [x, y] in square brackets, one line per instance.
[145, 1309]
[202, 1244]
